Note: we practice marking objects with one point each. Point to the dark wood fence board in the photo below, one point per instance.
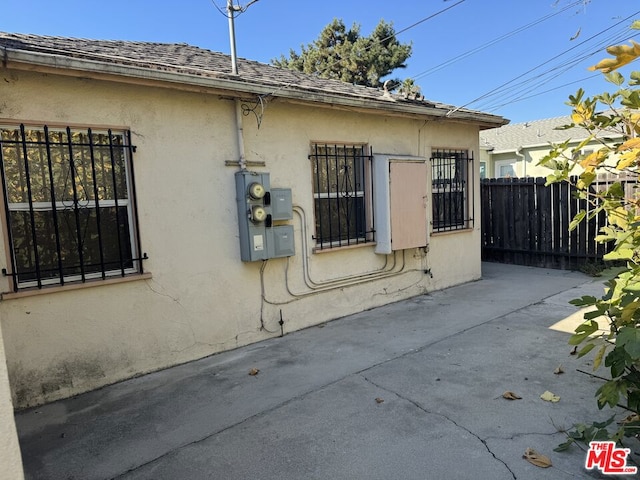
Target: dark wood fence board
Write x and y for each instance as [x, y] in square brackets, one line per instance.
[527, 223]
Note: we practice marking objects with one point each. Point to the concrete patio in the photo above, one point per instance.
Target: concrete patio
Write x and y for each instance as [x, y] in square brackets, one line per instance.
[411, 390]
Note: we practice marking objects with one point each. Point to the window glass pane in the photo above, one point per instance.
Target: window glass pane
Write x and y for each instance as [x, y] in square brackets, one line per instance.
[448, 209]
[114, 229]
[107, 167]
[342, 219]
[83, 173]
[14, 168]
[338, 170]
[507, 171]
[339, 191]
[87, 229]
[449, 169]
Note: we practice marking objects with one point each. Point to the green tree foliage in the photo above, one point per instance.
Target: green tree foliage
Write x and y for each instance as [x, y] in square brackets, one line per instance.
[409, 88]
[611, 327]
[345, 55]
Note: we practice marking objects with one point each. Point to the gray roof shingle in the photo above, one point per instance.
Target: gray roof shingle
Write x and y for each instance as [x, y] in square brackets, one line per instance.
[191, 61]
[529, 134]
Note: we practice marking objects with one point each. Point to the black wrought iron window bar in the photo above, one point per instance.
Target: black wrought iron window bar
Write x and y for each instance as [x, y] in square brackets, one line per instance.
[69, 199]
[342, 189]
[452, 189]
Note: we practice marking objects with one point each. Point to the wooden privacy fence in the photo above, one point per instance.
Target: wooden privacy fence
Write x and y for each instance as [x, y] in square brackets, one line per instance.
[525, 222]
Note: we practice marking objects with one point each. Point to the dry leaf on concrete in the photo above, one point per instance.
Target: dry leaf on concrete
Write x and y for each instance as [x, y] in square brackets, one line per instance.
[511, 396]
[558, 370]
[537, 459]
[254, 371]
[550, 397]
[634, 417]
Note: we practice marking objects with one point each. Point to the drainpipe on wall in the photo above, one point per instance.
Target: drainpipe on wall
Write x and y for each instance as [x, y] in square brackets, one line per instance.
[242, 162]
[231, 9]
[524, 162]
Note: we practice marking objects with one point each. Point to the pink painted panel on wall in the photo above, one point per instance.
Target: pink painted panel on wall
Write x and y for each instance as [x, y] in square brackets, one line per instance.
[408, 192]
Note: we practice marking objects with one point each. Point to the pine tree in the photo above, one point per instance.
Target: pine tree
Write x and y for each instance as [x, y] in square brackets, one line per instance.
[345, 55]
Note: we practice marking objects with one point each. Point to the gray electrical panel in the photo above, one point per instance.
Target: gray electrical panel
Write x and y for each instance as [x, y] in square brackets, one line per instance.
[283, 245]
[281, 204]
[259, 238]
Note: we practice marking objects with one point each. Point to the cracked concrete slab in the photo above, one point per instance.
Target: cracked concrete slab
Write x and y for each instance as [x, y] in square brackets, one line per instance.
[340, 431]
[439, 361]
[469, 373]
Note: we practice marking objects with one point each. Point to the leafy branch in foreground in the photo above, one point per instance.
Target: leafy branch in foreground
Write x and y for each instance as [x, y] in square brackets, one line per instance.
[611, 326]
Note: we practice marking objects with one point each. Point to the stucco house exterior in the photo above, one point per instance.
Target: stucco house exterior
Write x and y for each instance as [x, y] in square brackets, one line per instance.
[514, 150]
[158, 208]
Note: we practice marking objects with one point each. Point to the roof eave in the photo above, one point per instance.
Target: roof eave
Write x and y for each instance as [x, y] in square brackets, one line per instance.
[29, 60]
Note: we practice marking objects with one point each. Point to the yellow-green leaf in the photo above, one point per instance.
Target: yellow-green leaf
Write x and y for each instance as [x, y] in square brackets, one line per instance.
[597, 360]
[586, 349]
[585, 180]
[593, 160]
[577, 219]
[621, 254]
[623, 54]
[619, 216]
[628, 159]
[629, 144]
[630, 152]
[550, 397]
[581, 113]
[629, 311]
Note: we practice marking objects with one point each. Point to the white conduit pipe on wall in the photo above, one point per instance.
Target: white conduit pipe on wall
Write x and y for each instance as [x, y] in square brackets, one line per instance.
[350, 280]
[242, 163]
[524, 162]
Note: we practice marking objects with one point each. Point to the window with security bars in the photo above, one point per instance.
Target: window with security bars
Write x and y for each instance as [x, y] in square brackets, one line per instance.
[69, 204]
[451, 189]
[341, 192]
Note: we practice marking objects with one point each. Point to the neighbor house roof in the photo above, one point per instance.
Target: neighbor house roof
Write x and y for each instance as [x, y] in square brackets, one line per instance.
[530, 134]
[183, 64]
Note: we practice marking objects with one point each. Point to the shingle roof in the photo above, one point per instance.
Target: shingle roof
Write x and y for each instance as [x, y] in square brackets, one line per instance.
[528, 134]
[191, 62]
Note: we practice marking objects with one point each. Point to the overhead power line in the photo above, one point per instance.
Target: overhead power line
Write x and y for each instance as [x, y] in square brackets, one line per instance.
[520, 99]
[533, 83]
[433, 15]
[503, 87]
[424, 20]
[462, 56]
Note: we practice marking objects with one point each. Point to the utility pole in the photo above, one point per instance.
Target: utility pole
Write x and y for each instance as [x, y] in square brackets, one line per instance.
[231, 11]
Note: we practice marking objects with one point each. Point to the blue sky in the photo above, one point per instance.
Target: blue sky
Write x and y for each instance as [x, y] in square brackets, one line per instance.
[515, 58]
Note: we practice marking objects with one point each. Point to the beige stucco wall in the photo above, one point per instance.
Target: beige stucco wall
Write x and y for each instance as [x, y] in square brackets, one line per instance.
[10, 458]
[201, 298]
[526, 164]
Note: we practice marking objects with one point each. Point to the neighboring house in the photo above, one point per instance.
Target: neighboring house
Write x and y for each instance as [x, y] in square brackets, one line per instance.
[515, 150]
[159, 209]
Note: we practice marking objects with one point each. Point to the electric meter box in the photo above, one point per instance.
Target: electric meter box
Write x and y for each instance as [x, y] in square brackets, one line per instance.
[281, 204]
[258, 206]
[253, 197]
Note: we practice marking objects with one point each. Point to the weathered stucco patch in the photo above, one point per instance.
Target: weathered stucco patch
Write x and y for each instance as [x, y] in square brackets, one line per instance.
[34, 387]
